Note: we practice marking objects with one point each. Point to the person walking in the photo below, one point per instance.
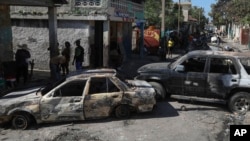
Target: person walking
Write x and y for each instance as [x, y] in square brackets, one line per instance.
[22, 62]
[170, 45]
[218, 40]
[79, 55]
[66, 54]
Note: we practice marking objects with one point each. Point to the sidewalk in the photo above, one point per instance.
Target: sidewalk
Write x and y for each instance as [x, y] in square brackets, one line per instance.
[235, 45]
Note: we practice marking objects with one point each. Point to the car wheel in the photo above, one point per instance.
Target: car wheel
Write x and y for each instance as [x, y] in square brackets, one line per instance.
[160, 91]
[239, 102]
[20, 121]
[122, 111]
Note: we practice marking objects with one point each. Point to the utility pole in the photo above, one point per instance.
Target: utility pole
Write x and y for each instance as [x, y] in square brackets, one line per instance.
[179, 5]
[162, 18]
[162, 40]
[199, 16]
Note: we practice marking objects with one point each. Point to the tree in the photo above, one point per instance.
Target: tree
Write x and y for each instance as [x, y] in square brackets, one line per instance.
[236, 11]
[172, 16]
[198, 13]
[152, 12]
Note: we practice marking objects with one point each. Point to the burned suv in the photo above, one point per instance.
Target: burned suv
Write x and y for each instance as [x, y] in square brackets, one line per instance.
[206, 74]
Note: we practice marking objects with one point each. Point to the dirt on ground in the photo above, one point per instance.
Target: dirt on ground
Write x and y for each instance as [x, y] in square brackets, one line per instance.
[171, 121]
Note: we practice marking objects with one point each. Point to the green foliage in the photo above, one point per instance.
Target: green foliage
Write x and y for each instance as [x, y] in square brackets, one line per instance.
[199, 14]
[153, 10]
[237, 11]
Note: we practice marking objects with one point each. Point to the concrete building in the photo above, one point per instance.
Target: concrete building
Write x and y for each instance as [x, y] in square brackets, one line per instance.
[186, 5]
[104, 27]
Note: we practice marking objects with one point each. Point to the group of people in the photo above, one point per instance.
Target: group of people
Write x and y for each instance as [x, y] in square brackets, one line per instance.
[59, 62]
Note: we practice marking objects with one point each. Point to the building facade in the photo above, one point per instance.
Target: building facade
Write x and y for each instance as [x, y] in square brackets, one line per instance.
[186, 6]
[104, 27]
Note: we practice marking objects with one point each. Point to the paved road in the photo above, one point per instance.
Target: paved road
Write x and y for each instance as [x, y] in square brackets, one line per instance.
[173, 120]
[199, 122]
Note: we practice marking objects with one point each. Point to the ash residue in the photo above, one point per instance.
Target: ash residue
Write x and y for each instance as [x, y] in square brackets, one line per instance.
[230, 119]
[72, 135]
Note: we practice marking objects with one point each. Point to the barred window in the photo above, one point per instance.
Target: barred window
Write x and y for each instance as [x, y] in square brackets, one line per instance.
[87, 3]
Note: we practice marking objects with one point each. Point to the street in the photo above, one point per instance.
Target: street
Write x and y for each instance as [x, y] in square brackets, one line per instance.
[173, 119]
[124, 35]
[199, 121]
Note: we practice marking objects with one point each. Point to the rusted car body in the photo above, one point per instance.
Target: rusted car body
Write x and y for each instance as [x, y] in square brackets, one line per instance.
[89, 95]
[207, 74]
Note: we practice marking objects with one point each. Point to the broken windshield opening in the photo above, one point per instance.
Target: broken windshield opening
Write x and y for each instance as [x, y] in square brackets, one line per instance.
[52, 85]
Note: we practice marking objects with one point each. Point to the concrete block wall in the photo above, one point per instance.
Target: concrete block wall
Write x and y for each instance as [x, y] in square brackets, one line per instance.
[36, 35]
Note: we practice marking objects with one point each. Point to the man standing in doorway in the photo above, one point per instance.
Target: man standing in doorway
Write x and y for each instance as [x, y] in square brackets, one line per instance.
[79, 55]
[22, 55]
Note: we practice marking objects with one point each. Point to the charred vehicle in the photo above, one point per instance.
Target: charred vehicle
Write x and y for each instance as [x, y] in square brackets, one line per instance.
[218, 75]
[92, 94]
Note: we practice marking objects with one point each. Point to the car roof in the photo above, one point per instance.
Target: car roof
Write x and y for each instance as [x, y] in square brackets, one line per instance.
[91, 72]
[219, 53]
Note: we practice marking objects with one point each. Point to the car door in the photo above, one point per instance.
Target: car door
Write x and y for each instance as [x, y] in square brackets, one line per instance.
[101, 97]
[222, 75]
[175, 81]
[196, 77]
[64, 103]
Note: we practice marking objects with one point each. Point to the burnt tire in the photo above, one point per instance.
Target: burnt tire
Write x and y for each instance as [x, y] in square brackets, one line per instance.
[160, 91]
[239, 102]
[21, 121]
[122, 111]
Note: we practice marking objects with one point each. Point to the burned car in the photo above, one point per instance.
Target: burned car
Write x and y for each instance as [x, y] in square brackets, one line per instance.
[91, 94]
[218, 75]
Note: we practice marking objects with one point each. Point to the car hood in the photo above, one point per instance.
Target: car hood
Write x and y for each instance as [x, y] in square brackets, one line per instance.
[153, 67]
[19, 99]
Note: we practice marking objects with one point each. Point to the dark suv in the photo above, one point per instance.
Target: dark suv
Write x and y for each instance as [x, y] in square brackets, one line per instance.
[206, 74]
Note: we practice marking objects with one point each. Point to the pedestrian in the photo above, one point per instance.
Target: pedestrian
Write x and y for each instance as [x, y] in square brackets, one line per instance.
[55, 65]
[22, 62]
[66, 54]
[170, 45]
[218, 40]
[79, 55]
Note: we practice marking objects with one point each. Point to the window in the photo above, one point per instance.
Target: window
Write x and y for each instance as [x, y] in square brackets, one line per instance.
[74, 88]
[102, 85]
[194, 64]
[222, 65]
[87, 3]
[246, 64]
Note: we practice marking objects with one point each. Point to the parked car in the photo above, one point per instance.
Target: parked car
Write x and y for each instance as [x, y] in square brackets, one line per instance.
[90, 94]
[206, 74]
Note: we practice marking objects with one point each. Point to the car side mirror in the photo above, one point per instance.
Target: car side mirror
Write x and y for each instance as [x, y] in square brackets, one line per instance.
[180, 68]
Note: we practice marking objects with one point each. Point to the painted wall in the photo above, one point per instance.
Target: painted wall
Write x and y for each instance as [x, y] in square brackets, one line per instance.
[35, 34]
[75, 20]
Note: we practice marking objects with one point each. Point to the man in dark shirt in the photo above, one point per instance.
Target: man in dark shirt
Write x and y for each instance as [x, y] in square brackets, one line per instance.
[79, 55]
[22, 55]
